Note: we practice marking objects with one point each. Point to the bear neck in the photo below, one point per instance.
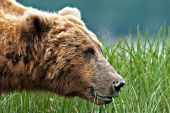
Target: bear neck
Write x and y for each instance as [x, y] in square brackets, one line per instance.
[20, 65]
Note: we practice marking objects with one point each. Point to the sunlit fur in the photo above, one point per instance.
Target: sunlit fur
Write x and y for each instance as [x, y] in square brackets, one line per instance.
[48, 51]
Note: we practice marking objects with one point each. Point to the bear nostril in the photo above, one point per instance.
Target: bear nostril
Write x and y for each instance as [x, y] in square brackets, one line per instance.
[118, 85]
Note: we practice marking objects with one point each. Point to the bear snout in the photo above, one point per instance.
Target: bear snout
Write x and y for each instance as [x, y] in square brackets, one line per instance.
[117, 84]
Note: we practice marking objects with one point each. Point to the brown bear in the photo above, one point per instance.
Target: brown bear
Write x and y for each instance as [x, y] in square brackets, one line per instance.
[53, 52]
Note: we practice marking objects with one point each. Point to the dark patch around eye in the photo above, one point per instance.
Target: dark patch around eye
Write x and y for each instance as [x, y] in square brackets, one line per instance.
[89, 51]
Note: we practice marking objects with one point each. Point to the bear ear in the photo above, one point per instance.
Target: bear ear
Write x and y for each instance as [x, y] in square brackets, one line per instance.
[36, 23]
[70, 11]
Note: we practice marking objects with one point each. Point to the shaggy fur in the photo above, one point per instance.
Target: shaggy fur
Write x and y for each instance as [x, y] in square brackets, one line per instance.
[53, 52]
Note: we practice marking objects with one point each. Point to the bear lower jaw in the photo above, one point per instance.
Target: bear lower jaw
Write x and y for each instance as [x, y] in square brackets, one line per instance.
[100, 99]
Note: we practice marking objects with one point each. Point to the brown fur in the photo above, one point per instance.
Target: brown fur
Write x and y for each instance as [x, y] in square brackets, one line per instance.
[12, 7]
[54, 52]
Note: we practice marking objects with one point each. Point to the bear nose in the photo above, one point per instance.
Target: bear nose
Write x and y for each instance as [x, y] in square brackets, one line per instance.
[118, 85]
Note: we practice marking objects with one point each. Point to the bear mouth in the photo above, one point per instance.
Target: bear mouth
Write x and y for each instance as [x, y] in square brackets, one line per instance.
[100, 99]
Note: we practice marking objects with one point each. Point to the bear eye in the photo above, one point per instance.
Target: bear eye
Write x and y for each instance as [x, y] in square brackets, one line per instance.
[89, 51]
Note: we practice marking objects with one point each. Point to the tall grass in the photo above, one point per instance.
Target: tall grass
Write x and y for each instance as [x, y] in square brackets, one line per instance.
[144, 63]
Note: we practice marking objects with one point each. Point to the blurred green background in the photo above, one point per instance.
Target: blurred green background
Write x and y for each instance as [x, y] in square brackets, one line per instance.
[114, 17]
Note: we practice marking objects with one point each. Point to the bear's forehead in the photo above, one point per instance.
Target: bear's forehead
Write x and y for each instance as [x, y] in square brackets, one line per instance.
[94, 37]
[76, 25]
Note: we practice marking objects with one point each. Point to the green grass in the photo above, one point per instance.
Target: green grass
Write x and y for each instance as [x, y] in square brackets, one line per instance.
[143, 62]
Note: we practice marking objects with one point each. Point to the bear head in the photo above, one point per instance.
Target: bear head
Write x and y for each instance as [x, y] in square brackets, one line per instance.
[70, 61]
